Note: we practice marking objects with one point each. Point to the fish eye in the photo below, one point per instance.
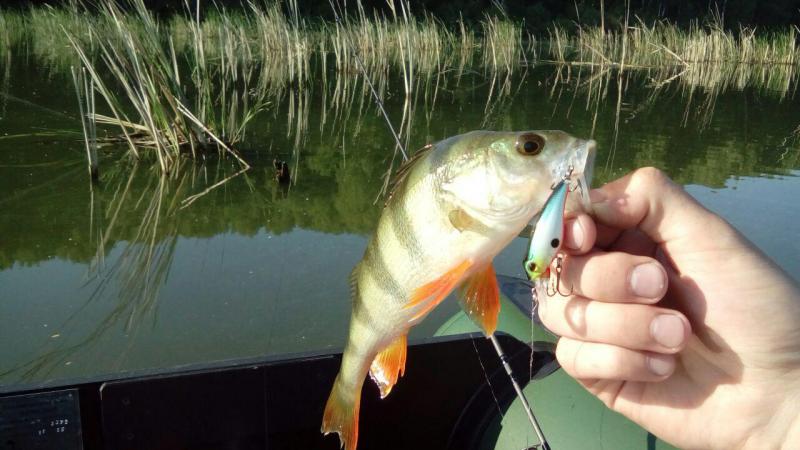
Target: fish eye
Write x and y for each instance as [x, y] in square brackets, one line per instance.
[530, 144]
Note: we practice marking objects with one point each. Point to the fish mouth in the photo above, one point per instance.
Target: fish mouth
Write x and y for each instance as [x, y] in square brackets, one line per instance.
[579, 163]
[588, 164]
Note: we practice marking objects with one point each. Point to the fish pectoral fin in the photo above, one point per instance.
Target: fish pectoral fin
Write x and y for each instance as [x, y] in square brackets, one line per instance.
[480, 298]
[431, 294]
[389, 365]
[463, 221]
[460, 219]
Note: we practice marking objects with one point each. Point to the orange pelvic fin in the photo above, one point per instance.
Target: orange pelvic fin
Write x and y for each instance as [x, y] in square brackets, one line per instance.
[341, 416]
[480, 299]
[431, 294]
[389, 365]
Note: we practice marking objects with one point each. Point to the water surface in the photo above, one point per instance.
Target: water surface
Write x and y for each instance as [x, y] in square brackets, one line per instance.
[118, 277]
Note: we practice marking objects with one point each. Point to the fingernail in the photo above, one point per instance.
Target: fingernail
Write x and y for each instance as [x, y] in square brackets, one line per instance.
[668, 330]
[661, 364]
[648, 280]
[575, 237]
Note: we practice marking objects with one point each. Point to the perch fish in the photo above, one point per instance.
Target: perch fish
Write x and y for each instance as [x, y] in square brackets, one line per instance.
[453, 207]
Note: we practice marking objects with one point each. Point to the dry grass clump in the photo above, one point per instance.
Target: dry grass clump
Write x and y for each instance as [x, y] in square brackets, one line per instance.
[152, 100]
[503, 46]
[663, 43]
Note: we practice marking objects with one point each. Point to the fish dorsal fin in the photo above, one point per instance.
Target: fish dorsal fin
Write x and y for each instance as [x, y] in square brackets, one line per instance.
[479, 296]
[354, 281]
[402, 172]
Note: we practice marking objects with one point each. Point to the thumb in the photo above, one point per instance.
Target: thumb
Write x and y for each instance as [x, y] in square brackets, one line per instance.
[685, 230]
[648, 200]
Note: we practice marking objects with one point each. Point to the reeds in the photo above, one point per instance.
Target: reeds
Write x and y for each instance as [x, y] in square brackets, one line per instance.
[664, 43]
[274, 33]
[12, 29]
[155, 110]
[502, 44]
[190, 85]
[84, 87]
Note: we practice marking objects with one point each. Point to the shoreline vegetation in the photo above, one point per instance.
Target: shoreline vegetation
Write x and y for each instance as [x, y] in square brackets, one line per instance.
[188, 85]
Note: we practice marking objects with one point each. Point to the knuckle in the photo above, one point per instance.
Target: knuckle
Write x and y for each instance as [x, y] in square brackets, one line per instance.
[566, 351]
[615, 362]
[543, 311]
[609, 397]
[575, 315]
[651, 176]
[575, 360]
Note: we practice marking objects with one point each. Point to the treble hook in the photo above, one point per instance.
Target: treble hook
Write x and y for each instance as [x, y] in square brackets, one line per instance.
[555, 288]
[567, 178]
[577, 186]
[564, 178]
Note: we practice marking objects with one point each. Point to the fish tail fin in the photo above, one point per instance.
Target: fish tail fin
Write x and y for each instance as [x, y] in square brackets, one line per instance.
[389, 365]
[341, 415]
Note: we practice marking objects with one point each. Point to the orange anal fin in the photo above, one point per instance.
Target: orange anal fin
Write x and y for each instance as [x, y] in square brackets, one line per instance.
[389, 365]
[341, 416]
[480, 299]
[431, 294]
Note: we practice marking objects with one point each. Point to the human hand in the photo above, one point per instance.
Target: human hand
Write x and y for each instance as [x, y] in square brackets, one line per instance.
[677, 321]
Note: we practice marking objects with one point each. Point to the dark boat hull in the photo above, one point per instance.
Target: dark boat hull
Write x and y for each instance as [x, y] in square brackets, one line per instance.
[447, 399]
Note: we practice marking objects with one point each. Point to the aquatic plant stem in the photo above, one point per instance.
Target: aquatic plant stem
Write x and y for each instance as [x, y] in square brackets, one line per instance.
[89, 133]
[521, 395]
[369, 82]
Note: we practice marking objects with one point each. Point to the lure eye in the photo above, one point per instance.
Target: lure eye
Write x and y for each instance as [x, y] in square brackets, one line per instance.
[530, 144]
[531, 266]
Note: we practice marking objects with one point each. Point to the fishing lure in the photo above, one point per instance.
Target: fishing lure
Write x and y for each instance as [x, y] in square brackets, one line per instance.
[548, 236]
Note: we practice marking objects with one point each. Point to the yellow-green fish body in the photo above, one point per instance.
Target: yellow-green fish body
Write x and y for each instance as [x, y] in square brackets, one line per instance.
[455, 206]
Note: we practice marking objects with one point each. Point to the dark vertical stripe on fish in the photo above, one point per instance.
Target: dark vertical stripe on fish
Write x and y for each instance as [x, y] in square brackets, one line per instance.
[403, 230]
[363, 315]
[379, 269]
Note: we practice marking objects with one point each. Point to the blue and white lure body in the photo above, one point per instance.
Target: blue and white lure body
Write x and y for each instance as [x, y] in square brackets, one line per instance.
[548, 235]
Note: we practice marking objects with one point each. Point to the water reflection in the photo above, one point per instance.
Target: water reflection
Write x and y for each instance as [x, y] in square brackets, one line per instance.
[134, 277]
[340, 164]
[127, 248]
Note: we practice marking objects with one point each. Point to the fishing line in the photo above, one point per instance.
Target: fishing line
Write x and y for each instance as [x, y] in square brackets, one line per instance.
[369, 82]
[486, 376]
[534, 305]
